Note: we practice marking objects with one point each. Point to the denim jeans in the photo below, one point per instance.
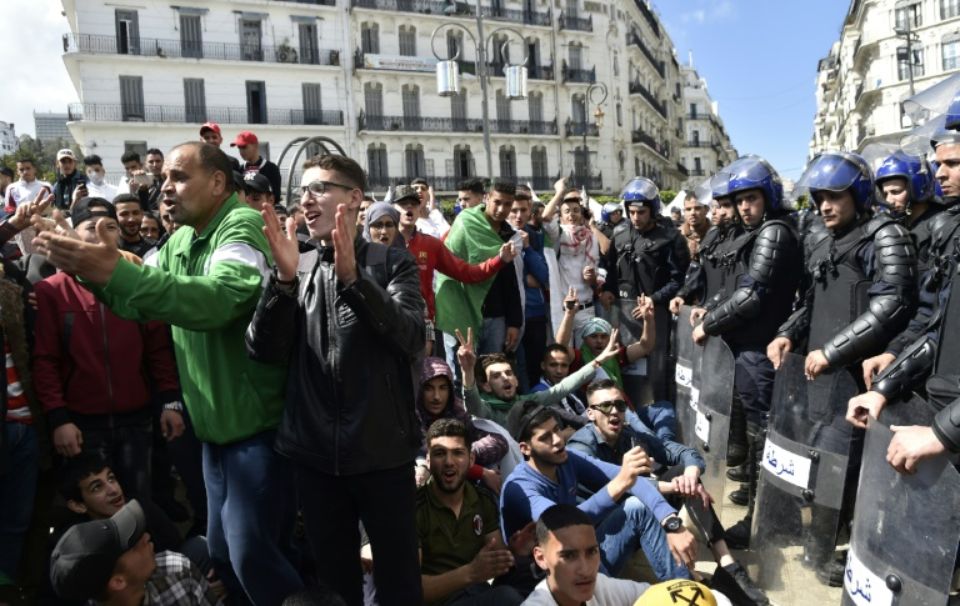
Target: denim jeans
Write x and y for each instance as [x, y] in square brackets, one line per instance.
[17, 489]
[492, 336]
[250, 509]
[632, 526]
[127, 447]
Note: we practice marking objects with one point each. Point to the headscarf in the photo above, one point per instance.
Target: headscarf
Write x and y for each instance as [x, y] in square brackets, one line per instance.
[375, 212]
[611, 366]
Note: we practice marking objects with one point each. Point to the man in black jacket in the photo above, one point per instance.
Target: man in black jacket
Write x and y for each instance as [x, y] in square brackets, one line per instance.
[349, 319]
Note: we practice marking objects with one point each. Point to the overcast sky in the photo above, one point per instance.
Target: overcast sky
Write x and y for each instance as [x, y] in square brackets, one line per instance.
[34, 77]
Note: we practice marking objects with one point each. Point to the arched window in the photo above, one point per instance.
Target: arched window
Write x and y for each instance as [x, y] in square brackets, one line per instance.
[408, 41]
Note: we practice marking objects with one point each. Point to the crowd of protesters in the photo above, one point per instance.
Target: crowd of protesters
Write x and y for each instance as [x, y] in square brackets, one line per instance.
[214, 394]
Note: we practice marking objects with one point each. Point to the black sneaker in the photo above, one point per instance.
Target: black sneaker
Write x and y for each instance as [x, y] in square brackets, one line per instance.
[742, 584]
[831, 573]
[741, 496]
[738, 474]
[738, 535]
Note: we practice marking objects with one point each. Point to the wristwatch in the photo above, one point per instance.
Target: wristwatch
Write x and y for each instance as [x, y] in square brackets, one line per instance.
[673, 524]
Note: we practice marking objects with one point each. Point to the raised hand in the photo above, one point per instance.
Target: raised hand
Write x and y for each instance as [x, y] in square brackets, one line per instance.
[612, 348]
[93, 262]
[466, 356]
[283, 242]
[344, 255]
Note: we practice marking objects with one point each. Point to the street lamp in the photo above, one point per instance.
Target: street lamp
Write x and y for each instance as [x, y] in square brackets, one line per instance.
[906, 32]
[598, 114]
[448, 71]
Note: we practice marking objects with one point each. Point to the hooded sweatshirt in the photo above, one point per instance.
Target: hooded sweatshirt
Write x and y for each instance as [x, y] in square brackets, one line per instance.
[487, 448]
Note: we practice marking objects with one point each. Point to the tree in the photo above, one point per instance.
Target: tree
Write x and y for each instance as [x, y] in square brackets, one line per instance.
[43, 154]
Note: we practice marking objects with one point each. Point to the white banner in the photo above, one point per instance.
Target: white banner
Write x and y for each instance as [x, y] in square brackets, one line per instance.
[406, 64]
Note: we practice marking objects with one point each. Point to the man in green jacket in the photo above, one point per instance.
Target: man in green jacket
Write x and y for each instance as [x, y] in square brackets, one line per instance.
[205, 282]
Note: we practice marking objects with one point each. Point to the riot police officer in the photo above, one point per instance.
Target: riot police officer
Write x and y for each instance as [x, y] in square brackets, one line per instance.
[645, 258]
[765, 262]
[863, 291]
[906, 185]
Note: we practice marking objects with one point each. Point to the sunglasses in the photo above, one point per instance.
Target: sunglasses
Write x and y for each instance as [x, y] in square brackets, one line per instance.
[319, 188]
[608, 406]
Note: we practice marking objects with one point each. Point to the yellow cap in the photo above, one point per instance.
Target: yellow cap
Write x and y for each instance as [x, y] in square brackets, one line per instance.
[678, 591]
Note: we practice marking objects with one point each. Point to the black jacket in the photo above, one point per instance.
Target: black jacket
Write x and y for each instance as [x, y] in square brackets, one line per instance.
[64, 187]
[353, 354]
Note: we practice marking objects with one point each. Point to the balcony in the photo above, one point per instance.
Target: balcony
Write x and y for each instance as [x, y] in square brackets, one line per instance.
[427, 7]
[575, 129]
[660, 106]
[697, 143]
[585, 76]
[649, 16]
[683, 170]
[534, 72]
[447, 183]
[698, 116]
[697, 172]
[116, 112]
[575, 22]
[525, 17]
[633, 38]
[317, 2]
[591, 183]
[177, 49]
[639, 136]
[455, 125]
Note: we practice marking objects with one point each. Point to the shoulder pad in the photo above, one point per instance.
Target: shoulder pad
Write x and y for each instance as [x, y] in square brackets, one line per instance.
[878, 222]
[890, 233]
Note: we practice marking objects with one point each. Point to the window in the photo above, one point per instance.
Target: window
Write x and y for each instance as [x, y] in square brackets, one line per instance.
[463, 164]
[538, 161]
[131, 98]
[535, 106]
[408, 41]
[577, 112]
[309, 51]
[370, 38]
[251, 41]
[373, 104]
[191, 36]
[904, 63]
[508, 162]
[503, 111]
[695, 137]
[636, 166]
[575, 56]
[454, 43]
[621, 159]
[907, 15]
[414, 162]
[571, 8]
[136, 146]
[458, 110]
[693, 110]
[194, 99]
[128, 32]
[410, 95]
[616, 64]
[950, 49]
[256, 102]
[501, 52]
[619, 115]
[312, 104]
[949, 8]
[697, 166]
[580, 162]
[377, 164]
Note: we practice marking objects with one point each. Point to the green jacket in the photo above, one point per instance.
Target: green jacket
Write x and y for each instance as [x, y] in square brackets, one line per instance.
[207, 287]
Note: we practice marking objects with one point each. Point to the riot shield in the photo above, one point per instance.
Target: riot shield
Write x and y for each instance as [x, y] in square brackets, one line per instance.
[636, 375]
[687, 370]
[906, 529]
[711, 425]
[804, 470]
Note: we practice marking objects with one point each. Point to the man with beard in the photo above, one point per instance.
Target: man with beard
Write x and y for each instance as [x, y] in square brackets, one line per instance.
[130, 217]
[205, 282]
[458, 528]
[627, 514]
[432, 256]
[695, 224]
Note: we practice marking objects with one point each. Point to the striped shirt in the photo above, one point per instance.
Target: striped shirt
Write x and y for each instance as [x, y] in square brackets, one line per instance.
[17, 407]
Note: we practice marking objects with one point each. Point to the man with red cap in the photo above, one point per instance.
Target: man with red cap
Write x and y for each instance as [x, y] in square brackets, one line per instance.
[210, 133]
[249, 147]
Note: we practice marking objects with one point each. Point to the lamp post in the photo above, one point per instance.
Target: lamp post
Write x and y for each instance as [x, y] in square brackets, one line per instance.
[598, 114]
[448, 71]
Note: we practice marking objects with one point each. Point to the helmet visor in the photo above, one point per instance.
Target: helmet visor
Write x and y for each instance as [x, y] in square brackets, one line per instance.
[831, 171]
[639, 189]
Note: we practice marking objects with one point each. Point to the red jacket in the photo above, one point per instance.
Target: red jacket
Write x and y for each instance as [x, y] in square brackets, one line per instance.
[89, 361]
[431, 255]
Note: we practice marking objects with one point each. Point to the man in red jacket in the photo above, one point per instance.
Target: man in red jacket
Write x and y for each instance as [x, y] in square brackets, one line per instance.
[431, 255]
[98, 375]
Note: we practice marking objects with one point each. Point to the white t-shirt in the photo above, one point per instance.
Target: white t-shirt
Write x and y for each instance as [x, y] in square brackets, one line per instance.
[434, 224]
[578, 248]
[106, 191]
[21, 191]
[607, 592]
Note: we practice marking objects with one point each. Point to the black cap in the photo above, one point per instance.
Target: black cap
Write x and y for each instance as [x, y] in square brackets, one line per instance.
[90, 207]
[256, 182]
[85, 556]
[405, 192]
[6, 171]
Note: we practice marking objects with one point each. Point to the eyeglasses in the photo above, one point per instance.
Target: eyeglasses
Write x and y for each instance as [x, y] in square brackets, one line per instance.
[380, 226]
[608, 406]
[319, 188]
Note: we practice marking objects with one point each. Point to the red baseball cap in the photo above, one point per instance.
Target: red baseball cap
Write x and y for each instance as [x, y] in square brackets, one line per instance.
[210, 126]
[244, 138]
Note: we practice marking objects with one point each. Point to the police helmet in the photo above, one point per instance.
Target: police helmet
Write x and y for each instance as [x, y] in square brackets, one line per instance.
[840, 171]
[914, 169]
[752, 172]
[643, 192]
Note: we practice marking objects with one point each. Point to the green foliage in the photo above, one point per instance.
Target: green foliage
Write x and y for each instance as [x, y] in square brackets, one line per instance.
[667, 196]
[802, 202]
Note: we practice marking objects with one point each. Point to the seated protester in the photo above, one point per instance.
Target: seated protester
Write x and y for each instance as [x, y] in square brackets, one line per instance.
[458, 527]
[98, 375]
[550, 476]
[568, 552]
[437, 401]
[92, 492]
[112, 561]
[614, 429]
[499, 384]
